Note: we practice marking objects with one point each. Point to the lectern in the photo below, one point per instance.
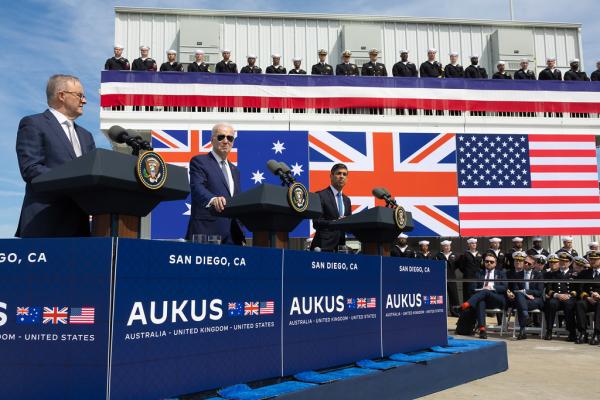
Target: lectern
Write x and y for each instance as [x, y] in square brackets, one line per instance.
[376, 228]
[265, 211]
[103, 184]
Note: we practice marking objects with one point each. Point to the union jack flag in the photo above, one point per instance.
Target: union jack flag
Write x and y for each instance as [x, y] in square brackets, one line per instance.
[433, 299]
[55, 315]
[361, 302]
[417, 168]
[251, 308]
[22, 310]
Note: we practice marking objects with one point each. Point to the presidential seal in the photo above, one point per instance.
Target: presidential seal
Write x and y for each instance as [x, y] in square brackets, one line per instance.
[400, 217]
[298, 197]
[151, 170]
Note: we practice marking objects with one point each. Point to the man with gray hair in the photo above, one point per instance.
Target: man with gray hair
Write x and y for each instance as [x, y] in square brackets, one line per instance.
[214, 180]
[46, 141]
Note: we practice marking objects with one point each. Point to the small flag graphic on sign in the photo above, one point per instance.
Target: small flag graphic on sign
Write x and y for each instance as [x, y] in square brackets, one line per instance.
[267, 307]
[29, 315]
[55, 315]
[251, 308]
[82, 315]
[372, 302]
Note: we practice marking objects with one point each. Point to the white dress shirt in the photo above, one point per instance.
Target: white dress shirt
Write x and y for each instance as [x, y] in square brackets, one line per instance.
[62, 119]
[229, 176]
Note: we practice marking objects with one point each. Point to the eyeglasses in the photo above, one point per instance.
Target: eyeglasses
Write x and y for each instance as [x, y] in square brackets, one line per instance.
[230, 138]
[528, 263]
[80, 95]
[489, 261]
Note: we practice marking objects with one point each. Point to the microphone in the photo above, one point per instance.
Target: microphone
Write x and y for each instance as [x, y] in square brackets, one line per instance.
[119, 134]
[287, 171]
[144, 144]
[277, 169]
[384, 194]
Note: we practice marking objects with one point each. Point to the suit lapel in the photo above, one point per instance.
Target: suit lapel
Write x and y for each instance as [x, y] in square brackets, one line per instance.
[218, 167]
[59, 132]
[332, 197]
[82, 139]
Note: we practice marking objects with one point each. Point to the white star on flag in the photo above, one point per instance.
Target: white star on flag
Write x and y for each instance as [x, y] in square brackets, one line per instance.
[297, 169]
[278, 147]
[258, 177]
[189, 209]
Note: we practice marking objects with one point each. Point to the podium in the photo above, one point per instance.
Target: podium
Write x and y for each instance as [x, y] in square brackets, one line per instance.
[265, 211]
[103, 184]
[375, 228]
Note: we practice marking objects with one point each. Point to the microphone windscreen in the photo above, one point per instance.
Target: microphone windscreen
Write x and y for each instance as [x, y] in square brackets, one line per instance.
[284, 167]
[387, 192]
[115, 133]
[273, 166]
[378, 192]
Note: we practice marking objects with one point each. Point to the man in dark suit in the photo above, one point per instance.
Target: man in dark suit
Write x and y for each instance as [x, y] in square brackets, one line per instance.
[488, 292]
[213, 181]
[528, 294]
[589, 299]
[46, 141]
[561, 296]
[335, 205]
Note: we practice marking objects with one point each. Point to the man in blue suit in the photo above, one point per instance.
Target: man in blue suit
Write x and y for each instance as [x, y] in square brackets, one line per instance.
[213, 181]
[45, 141]
[525, 295]
[488, 292]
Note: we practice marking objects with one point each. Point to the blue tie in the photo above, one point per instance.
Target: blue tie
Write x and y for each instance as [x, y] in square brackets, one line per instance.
[340, 204]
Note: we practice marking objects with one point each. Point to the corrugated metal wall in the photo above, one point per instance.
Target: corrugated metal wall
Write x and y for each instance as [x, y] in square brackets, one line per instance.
[303, 37]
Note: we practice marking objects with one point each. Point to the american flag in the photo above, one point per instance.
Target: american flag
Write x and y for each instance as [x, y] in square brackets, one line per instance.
[371, 302]
[55, 315]
[361, 302]
[517, 184]
[267, 307]
[82, 315]
[440, 299]
[417, 168]
[251, 308]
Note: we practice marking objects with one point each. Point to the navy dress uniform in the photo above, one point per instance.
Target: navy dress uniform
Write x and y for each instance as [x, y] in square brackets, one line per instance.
[144, 63]
[454, 69]
[561, 296]
[501, 73]
[537, 248]
[373, 68]
[297, 61]
[276, 68]
[517, 246]
[346, 67]
[470, 263]
[498, 253]
[589, 298]
[322, 68]
[574, 74]
[117, 62]
[251, 68]
[550, 73]
[524, 73]
[451, 261]
[568, 246]
[404, 67]
[171, 65]
[423, 251]
[226, 66]
[431, 68]
[595, 77]
[474, 71]
[198, 65]
[401, 248]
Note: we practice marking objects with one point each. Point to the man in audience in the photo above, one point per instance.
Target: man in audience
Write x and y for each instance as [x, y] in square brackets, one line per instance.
[561, 296]
[526, 295]
[589, 300]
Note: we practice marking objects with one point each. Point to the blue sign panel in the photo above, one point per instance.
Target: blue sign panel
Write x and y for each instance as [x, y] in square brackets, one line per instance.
[330, 310]
[413, 304]
[191, 317]
[54, 313]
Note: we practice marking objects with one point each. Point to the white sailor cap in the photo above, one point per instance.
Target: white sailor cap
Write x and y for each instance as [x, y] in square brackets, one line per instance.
[524, 60]
[225, 50]
[403, 235]
[517, 239]
[537, 239]
[403, 51]
[171, 51]
[198, 51]
[445, 242]
[424, 243]
[144, 47]
[118, 46]
[495, 240]
[296, 59]
[453, 53]
[593, 244]
[251, 56]
[567, 239]
[275, 55]
[474, 55]
[472, 240]
[432, 50]
[501, 63]
[551, 58]
[573, 60]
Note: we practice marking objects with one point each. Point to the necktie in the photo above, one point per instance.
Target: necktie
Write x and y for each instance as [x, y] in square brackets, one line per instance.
[340, 205]
[224, 169]
[596, 273]
[487, 277]
[73, 138]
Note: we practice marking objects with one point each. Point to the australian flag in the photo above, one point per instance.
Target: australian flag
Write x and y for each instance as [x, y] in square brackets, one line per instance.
[29, 315]
[351, 303]
[235, 309]
[255, 148]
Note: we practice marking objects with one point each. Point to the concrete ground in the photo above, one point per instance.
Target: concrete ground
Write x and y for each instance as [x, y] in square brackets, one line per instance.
[538, 369]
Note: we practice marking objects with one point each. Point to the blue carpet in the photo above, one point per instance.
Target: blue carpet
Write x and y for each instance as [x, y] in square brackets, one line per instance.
[244, 392]
[315, 377]
[383, 365]
[417, 357]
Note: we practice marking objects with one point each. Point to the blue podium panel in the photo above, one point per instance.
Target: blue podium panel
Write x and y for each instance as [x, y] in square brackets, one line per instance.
[54, 314]
[414, 304]
[191, 317]
[330, 310]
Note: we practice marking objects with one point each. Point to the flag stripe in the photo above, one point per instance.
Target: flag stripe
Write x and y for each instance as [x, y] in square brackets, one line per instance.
[562, 153]
[564, 184]
[329, 149]
[438, 217]
[508, 207]
[562, 138]
[439, 143]
[564, 168]
[529, 223]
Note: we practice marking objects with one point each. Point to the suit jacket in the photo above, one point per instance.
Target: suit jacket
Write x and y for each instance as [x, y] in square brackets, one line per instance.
[499, 287]
[536, 289]
[326, 238]
[207, 181]
[42, 145]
